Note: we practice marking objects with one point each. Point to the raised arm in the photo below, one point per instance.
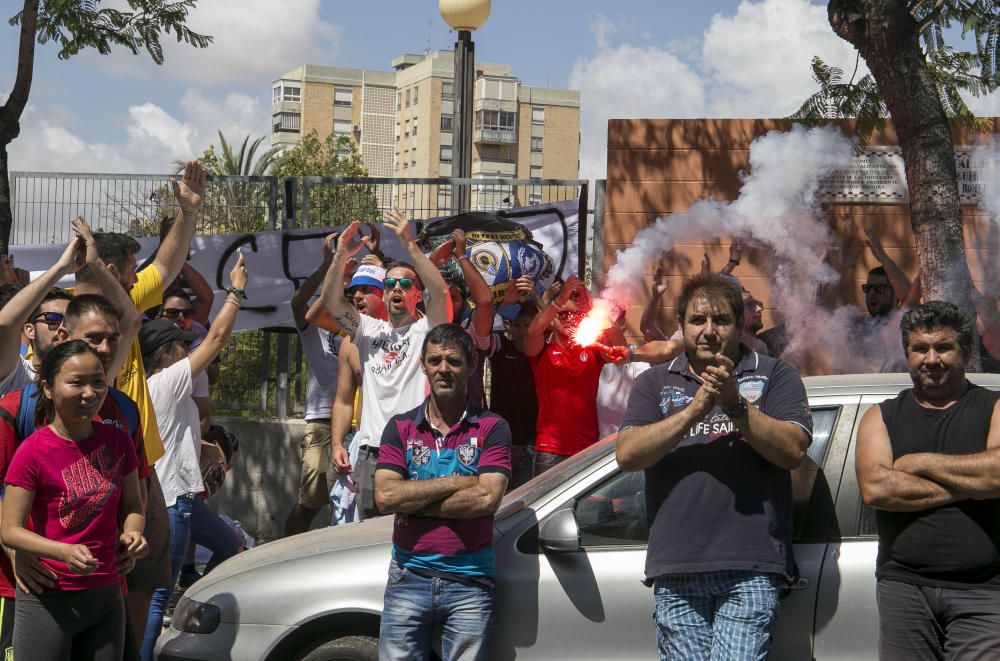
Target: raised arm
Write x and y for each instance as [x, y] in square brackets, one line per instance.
[332, 294]
[130, 322]
[557, 296]
[897, 278]
[988, 314]
[300, 299]
[647, 324]
[974, 475]
[190, 194]
[735, 256]
[479, 291]
[222, 325]
[439, 305]
[18, 309]
[882, 486]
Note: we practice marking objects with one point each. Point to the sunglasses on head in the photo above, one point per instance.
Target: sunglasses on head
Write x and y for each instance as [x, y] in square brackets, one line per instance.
[404, 283]
[50, 319]
[879, 289]
[173, 313]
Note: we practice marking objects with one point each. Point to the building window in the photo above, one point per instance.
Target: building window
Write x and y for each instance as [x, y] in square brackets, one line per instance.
[447, 90]
[536, 172]
[342, 126]
[446, 153]
[414, 126]
[286, 122]
[534, 198]
[286, 92]
[537, 115]
[343, 96]
[416, 92]
[536, 144]
[446, 121]
[407, 98]
[399, 100]
[495, 120]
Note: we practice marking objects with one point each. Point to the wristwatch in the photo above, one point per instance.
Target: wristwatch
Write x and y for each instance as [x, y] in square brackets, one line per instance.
[737, 410]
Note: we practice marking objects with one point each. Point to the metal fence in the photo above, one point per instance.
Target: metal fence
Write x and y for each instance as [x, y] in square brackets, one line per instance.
[263, 372]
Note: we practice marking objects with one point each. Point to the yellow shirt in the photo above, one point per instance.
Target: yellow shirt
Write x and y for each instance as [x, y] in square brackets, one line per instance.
[147, 293]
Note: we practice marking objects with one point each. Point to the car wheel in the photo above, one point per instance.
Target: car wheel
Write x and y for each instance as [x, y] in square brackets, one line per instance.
[345, 648]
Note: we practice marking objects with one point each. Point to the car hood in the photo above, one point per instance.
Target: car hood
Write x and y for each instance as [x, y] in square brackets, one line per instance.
[325, 540]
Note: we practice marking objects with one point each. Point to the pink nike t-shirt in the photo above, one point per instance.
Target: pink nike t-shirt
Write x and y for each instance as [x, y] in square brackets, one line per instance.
[77, 487]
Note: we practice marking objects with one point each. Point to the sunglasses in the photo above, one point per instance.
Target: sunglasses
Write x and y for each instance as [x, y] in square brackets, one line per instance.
[879, 289]
[404, 283]
[173, 313]
[50, 319]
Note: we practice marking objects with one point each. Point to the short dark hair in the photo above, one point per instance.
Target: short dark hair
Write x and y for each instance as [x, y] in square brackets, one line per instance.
[405, 265]
[938, 315]
[880, 271]
[84, 303]
[54, 294]
[450, 335]
[45, 409]
[8, 291]
[714, 288]
[113, 248]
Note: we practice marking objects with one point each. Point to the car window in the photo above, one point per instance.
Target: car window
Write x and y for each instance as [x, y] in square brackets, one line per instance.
[614, 513]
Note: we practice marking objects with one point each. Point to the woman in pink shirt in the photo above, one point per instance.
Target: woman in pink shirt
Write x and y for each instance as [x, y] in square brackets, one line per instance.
[77, 479]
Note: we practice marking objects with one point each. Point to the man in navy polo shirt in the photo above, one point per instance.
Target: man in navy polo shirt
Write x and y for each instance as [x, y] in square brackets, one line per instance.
[443, 468]
[716, 431]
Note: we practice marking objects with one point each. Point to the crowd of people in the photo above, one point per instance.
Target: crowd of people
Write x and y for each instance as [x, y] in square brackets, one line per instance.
[107, 453]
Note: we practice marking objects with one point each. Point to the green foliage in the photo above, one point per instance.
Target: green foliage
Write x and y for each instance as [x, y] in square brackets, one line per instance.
[954, 72]
[79, 24]
[241, 164]
[331, 203]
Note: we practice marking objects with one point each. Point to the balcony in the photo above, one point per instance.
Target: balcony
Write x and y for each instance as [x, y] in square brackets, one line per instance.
[494, 168]
[285, 106]
[495, 136]
[494, 104]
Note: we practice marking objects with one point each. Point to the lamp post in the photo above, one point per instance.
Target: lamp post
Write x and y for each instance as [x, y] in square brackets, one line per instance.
[463, 16]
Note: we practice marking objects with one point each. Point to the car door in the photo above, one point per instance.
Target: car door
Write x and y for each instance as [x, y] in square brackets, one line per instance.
[846, 611]
[587, 601]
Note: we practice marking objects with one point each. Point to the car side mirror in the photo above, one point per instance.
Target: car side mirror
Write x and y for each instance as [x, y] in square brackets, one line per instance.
[560, 532]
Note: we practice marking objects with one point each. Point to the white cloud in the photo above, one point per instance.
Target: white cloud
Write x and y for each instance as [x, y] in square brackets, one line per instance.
[627, 82]
[255, 41]
[152, 138]
[984, 106]
[753, 63]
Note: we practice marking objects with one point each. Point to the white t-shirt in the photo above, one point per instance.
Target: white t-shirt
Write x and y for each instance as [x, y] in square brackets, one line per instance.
[200, 386]
[391, 380]
[21, 376]
[612, 394]
[321, 348]
[178, 469]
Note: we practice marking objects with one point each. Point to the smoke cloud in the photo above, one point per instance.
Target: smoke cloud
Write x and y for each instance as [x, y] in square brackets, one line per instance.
[776, 211]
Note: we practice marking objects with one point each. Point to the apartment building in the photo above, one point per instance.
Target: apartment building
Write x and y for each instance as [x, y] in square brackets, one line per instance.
[402, 122]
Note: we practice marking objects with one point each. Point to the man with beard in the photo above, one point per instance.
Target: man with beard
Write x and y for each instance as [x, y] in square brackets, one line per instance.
[388, 350]
[928, 461]
[442, 469]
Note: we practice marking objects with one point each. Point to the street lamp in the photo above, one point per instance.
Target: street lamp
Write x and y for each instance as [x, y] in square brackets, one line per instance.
[463, 16]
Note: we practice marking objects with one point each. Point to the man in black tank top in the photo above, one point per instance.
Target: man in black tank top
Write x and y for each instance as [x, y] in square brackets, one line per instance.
[928, 461]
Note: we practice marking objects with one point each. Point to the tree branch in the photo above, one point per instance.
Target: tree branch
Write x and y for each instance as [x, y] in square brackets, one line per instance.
[10, 112]
[934, 13]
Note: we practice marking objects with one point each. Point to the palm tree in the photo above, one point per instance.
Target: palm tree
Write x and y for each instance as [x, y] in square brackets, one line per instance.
[233, 164]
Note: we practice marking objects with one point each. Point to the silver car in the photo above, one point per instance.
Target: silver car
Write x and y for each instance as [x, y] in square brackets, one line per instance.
[570, 548]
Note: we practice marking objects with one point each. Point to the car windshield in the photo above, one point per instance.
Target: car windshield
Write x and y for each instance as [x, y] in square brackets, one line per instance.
[559, 474]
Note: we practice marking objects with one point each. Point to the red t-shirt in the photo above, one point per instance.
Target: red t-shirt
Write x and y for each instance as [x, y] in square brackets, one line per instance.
[566, 380]
[109, 413]
[77, 487]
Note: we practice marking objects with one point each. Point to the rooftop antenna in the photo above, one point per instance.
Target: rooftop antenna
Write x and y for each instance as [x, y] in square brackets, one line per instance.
[427, 48]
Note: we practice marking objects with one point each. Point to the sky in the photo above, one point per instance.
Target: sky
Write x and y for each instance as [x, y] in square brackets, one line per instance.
[629, 58]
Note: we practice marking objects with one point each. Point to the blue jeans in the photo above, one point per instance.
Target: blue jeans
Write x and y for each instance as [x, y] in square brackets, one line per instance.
[715, 616]
[180, 536]
[415, 605]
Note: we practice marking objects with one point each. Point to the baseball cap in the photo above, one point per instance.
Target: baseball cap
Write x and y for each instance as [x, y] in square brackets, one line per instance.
[154, 334]
[368, 274]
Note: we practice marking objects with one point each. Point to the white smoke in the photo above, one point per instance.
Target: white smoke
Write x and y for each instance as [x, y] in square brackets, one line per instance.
[776, 211]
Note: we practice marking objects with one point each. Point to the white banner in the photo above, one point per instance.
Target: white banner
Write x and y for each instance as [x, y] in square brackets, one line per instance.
[279, 261]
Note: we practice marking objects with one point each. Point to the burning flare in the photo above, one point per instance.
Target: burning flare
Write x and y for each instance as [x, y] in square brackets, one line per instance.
[594, 324]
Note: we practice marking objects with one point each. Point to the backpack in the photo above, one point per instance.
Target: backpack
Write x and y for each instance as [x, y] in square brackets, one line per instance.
[25, 419]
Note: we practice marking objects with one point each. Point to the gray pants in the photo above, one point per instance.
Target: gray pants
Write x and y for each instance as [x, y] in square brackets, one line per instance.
[918, 623]
[364, 479]
[70, 625]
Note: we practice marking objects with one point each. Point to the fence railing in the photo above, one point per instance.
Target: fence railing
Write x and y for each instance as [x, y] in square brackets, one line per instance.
[263, 371]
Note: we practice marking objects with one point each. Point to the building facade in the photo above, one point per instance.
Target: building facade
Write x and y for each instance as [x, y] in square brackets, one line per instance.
[402, 123]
